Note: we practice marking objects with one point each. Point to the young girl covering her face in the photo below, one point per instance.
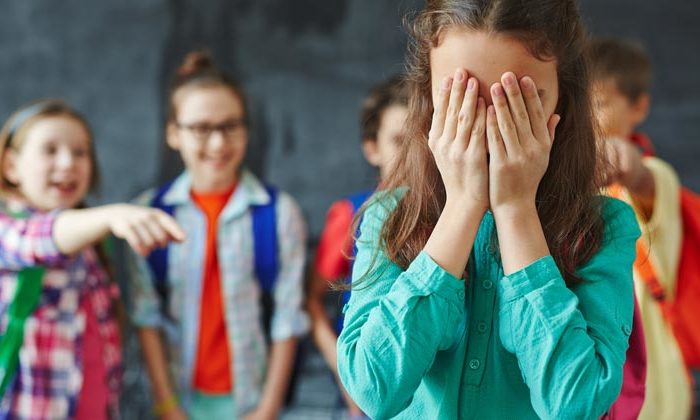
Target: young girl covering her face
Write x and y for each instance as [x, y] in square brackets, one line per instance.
[491, 279]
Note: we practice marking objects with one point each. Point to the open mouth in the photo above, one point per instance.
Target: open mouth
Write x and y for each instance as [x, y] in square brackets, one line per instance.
[65, 187]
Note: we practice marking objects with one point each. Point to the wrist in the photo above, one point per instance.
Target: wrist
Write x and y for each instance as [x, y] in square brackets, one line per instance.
[464, 205]
[515, 210]
[165, 405]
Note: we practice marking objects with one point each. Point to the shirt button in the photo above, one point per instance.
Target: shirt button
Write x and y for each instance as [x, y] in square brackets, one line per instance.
[474, 364]
[626, 329]
[481, 327]
[461, 294]
[487, 284]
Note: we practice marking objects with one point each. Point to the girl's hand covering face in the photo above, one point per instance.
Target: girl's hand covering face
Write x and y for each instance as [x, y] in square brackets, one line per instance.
[458, 142]
[520, 139]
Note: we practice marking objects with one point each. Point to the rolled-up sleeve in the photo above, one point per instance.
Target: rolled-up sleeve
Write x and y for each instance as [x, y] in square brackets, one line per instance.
[571, 342]
[28, 241]
[395, 323]
[289, 318]
[143, 299]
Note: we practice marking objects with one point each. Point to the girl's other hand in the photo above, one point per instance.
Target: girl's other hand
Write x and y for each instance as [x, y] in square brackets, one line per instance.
[174, 414]
[458, 141]
[624, 162]
[520, 139]
[144, 228]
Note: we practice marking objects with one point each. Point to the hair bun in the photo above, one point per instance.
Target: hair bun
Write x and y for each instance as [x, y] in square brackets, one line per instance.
[196, 62]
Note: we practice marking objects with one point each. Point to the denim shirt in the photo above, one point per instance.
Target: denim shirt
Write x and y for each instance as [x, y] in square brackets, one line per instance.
[421, 343]
[240, 289]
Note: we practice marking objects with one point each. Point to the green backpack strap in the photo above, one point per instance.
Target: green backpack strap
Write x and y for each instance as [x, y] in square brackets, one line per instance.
[26, 299]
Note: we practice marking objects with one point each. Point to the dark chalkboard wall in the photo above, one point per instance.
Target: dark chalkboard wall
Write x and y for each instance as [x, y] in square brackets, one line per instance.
[306, 65]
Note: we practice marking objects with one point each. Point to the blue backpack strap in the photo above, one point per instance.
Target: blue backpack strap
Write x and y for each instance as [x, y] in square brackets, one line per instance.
[267, 267]
[158, 258]
[265, 241]
[266, 254]
[357, 200]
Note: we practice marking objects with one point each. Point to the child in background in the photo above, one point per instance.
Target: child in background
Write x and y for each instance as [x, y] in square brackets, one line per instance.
[210, 306]
[382, 119]
[491, 279]
[621, 77]
[70, 357]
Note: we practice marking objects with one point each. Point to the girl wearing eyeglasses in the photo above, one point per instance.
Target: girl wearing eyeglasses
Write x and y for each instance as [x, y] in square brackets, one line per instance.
[198, 305]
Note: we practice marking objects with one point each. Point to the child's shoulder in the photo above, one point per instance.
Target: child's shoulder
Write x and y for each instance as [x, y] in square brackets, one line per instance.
[380, 205]
[619, 218]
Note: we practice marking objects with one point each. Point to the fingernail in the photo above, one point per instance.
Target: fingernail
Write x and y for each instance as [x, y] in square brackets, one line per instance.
[508, 79]
[471, 84]
[459, 75]
[491, 110]
[445, 83]
[497, 90]
[527, 83]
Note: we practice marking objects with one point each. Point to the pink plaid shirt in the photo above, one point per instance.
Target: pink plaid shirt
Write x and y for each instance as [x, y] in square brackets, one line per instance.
[49, 377]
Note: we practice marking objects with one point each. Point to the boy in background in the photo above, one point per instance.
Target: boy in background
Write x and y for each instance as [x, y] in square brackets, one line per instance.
[382, 119]
[621, 77]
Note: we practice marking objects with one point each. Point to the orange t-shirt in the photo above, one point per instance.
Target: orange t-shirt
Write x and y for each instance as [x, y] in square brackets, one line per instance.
[212, 370]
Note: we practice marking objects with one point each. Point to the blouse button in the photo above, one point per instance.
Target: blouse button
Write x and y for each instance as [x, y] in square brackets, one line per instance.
[487, 284]
[474, 364]
[481, 327]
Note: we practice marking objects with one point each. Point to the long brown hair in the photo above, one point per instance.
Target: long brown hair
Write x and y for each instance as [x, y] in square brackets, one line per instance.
[566, 200]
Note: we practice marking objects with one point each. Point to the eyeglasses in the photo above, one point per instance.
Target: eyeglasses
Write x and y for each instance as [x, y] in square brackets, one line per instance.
[230, 130]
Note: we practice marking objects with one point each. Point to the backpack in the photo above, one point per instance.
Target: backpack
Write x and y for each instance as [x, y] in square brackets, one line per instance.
[681, 310]
[357, 200]
[266, 265]
[25, 300]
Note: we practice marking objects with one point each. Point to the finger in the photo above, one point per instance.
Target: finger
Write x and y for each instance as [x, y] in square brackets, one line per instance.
[145, 238]
[517, 106]
[497, 149]
[173, 229]
[504, 119]
[552, 126]
[134, 242]
[538, 121]
[156, 231]
[477, 142]
[467, 114]
[440, 107]
[455, 104]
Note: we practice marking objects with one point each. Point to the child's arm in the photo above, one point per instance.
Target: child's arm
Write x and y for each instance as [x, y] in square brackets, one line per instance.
[571, 342]
[145, 312]
[322, 330]
[279, 371]
[627, 168]
[562, 354]
[166, 405]
[289, 320]
[331, 264]
[395, 323]
[398, 320]
[143, 228]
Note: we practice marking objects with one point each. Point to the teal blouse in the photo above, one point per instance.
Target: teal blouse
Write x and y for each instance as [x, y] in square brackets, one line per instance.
[421, 343]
